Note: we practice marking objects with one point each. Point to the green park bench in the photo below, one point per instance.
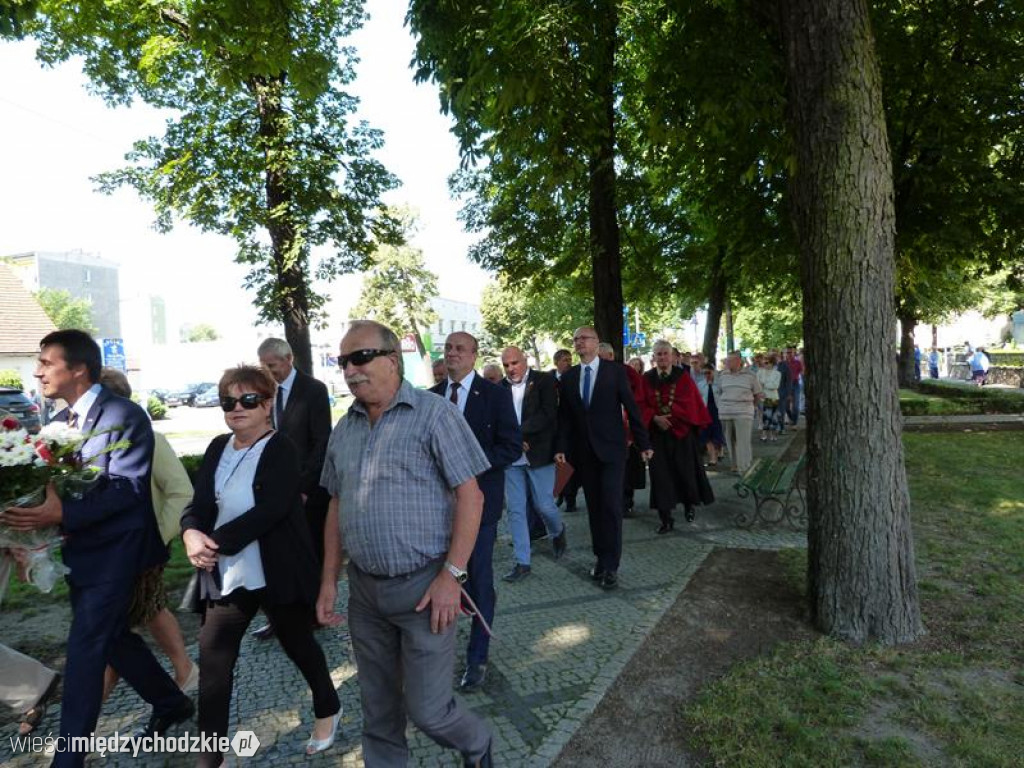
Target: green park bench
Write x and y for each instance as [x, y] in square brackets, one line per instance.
[777, 486]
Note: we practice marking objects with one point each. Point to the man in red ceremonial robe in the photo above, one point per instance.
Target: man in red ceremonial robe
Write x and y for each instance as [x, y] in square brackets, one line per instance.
[676, 415]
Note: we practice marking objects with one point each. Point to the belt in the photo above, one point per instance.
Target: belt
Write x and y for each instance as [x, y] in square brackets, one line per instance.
[385, 577]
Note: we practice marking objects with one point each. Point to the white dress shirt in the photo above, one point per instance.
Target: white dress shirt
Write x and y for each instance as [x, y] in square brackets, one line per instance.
[518, 395]
[592, 365]
[463, 390]
[286, 389]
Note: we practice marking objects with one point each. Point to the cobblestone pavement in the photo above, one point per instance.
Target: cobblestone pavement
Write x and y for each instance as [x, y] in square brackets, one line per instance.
[561, 642]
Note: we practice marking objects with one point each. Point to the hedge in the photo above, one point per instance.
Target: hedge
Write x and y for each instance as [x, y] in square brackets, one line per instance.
[10, 378]
[990, 400]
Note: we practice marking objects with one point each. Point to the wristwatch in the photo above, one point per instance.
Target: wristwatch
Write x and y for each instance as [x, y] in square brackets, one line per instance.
[457, 573]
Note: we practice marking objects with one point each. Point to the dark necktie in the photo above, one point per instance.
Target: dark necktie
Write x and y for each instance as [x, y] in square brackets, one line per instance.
[586, 386]
[72, 419]
[279, 407]
[454, 394]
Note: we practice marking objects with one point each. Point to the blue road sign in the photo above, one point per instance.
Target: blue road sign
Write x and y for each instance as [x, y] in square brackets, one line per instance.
[113, 354]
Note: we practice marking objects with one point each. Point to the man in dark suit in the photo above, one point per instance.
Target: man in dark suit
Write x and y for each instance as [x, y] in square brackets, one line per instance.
[592, 396]
[563, 362]
[112, 537]
[488, 409]
[302, 412]
[531, 478]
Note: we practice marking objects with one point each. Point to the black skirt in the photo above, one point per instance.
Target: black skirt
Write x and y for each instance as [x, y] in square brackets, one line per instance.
[677, 475]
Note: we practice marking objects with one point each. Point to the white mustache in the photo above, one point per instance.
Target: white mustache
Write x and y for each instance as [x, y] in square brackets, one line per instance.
[356, 379]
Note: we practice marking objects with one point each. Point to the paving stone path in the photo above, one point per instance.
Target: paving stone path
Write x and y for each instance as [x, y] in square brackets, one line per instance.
[561, 642]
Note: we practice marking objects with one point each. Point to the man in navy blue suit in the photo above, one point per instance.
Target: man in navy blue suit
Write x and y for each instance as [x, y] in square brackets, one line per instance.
[111, 537]
[491, 415]
[592, 435]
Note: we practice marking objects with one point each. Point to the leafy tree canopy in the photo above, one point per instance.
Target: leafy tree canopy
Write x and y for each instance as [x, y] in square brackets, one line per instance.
[201, 332]
[66, 311]
[262, 145]
[398, 288]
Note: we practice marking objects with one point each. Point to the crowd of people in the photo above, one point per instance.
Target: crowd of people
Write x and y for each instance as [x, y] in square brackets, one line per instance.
[405, 493]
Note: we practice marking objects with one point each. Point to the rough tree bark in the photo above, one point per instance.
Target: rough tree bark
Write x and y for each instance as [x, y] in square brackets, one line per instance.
[862, 579]
[289, 254]
[716, 303]
[603, 220]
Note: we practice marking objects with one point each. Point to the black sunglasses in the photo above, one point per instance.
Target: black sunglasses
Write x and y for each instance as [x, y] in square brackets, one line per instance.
[249, 401]
[362, 357]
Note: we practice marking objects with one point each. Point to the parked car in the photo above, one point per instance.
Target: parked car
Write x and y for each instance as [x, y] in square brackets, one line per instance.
[17, 403]
[160, 394]
[187, 396]
[208, 398]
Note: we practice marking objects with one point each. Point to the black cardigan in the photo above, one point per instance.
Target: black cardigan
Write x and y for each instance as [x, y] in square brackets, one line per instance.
[277, 520]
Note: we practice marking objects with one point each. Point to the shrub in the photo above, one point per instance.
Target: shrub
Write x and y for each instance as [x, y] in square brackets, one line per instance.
[10, 378]
[191, 462]
[157, 410]
[1010, 359]
[989, 400]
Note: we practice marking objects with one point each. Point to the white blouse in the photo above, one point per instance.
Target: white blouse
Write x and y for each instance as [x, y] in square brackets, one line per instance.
[233, 487]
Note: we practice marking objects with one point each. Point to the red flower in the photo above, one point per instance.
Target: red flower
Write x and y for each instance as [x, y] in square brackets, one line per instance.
[44, 453]
[10, 424]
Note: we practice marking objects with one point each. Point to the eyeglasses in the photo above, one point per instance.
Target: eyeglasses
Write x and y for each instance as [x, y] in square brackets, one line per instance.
[361, 357]
[249, 401]
[580, 338]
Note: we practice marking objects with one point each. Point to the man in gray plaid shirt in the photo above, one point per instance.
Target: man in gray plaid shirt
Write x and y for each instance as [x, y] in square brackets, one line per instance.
[401, 470]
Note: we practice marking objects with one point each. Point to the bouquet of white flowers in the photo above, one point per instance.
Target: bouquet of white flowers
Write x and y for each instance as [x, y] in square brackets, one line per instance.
[27, 464]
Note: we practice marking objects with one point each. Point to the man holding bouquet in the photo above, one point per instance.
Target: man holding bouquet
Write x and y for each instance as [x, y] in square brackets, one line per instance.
[111, 537]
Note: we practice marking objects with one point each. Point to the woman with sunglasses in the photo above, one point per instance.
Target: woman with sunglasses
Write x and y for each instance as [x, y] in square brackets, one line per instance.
[246, 531]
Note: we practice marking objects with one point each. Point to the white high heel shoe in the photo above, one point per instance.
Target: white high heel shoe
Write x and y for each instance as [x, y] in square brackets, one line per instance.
[320, 745]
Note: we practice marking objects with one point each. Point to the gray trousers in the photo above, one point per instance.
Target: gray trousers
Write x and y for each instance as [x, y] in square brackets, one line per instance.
[23, 680]
[406, 670]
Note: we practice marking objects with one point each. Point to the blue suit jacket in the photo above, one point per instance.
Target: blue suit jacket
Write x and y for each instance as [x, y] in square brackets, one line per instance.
[601, 424]
[112, 531]
[492, 417]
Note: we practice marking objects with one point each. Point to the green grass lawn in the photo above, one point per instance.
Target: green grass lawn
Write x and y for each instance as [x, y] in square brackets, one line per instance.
[955, 697]
[22, 596]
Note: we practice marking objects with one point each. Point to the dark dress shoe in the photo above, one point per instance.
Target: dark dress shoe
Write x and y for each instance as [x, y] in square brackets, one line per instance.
[266, 632]
[560, 544]
[473, 677]
[518, 573]
[691, 515]
[667, 527]
[596, 573]
[162, 723]
[483, 762]
[610, 580]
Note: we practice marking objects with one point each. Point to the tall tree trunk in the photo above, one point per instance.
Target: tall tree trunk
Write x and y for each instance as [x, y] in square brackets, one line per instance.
[716, 303]
[935, 336]
[602, 211]
[862, 581]
[906, 375]
[289, 254]
[730, 336]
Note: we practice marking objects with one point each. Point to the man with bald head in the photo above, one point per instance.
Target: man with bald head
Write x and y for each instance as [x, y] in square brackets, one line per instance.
[591, 434]
[488, 410]
[531, 477]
